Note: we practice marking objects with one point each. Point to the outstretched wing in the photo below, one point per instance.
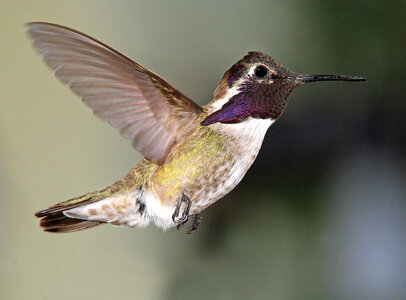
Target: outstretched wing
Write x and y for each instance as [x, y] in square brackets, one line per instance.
[145, 108]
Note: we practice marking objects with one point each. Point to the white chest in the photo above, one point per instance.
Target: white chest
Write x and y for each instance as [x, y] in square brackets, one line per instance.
[248, 137]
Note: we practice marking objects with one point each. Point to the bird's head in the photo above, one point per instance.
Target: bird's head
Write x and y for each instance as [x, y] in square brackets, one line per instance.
[258, 86]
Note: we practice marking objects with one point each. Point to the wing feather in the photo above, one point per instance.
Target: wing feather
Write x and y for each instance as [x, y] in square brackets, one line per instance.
[144, 107]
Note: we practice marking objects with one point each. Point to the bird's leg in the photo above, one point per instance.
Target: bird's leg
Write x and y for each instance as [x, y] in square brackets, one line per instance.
[185, 214]
[140, 205]
[182, 220]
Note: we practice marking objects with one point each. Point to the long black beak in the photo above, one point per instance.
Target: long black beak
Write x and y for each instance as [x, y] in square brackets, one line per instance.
[311, 78]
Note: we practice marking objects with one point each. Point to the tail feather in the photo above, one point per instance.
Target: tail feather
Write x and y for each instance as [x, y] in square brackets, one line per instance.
[53, 218]
[59, 223]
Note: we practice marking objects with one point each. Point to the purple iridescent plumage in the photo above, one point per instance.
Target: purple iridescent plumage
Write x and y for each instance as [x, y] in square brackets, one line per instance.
[255, 100]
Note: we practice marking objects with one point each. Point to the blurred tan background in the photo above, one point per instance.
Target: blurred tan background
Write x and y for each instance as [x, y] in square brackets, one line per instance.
[320, 215]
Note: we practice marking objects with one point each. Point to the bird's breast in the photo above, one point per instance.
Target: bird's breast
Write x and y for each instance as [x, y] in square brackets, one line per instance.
[209, 164]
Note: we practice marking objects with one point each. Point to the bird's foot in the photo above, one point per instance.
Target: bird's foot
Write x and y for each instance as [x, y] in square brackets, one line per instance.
[197, 219]
[182, 218]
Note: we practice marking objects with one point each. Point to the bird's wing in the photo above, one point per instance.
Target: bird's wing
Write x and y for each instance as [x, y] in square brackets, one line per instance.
[144, 107]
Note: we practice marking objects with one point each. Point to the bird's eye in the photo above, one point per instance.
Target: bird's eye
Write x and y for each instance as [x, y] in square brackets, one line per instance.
[261, 71]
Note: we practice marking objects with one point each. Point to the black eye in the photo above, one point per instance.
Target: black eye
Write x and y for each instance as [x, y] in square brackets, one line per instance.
[261, 71]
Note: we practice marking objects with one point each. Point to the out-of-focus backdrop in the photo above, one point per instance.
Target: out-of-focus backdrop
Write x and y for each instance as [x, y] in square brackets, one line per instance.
[320, 215]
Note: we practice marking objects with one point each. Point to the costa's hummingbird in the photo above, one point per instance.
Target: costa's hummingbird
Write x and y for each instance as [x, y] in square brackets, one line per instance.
[193, 155]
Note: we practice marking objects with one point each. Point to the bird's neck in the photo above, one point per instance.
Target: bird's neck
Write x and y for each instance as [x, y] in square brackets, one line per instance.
[248, 130]
[220, 98]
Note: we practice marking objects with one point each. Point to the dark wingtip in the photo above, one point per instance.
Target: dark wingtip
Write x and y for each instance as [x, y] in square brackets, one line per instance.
[40, 214]
[48, 211]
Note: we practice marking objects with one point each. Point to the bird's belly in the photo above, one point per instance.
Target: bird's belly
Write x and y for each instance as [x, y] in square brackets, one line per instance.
[209, 167]
[195, 177]
[202, 190]
[224, 179]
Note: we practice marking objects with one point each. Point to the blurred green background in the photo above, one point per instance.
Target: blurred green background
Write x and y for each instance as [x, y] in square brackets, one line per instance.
[320, 215]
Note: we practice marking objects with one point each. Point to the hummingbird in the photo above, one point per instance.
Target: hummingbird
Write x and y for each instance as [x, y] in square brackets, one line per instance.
[193, 155]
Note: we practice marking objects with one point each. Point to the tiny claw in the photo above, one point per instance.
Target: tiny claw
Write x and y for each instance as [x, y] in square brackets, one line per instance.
[197, 219]
[181, 224]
